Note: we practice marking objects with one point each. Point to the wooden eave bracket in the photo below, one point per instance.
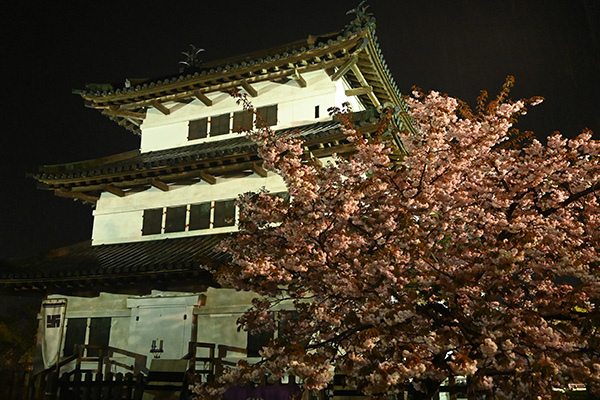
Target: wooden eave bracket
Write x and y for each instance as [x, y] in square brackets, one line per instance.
[363, 82]
[203, 98]
[114, 190]
[157, 183]
[345, 67]
[208, 178]
[160, 107]
[142, 99]
[359, 91]
[299, 79]
[248, 88]
[259, 170]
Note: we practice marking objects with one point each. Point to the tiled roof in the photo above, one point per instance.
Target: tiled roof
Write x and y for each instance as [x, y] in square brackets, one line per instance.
[353, 53]
[208, 150]
[85, 266]
[190, 157]
[286, 51]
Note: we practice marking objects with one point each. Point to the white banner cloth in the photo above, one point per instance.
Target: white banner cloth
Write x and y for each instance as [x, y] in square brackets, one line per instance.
[53, 323]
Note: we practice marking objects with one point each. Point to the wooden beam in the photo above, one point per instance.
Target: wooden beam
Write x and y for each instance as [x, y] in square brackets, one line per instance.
[160, 107]
[359, 91]
[157, 183]
[133, 121]
[203, 98]
[248, 88]
[124, 113]
[76, 195]
[344, 68]
[259, 170]
[208, 178]
[299, 79]
[363, 82]
[114, 190]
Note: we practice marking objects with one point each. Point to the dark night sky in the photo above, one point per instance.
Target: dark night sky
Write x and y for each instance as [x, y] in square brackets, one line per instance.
[458, 47]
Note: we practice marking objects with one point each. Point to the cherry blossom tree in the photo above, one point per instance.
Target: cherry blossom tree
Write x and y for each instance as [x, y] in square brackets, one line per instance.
[472, 254]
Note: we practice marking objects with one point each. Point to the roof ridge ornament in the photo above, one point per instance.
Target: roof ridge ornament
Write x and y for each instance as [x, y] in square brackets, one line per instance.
[363, 18]
[191, 58]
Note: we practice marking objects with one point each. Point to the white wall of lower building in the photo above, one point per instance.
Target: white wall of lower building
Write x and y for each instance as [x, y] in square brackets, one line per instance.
[137, 321]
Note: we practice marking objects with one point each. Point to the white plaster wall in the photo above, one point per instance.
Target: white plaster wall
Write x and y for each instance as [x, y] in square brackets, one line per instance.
[113, 306]
[296, 106]
[137, 320]
[118, 226]
[161, 316]
[119, 219]
[217, 319]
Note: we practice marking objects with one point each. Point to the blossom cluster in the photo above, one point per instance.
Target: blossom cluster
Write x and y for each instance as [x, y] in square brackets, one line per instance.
[455, 254]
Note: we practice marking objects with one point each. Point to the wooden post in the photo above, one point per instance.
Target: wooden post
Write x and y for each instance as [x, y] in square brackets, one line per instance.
[63, 387]
[25, 387]
[129, 386]
[139, 387]
[14, 385]
[36, 387]
[117, 391]
[97, 387]
[108, 382]
[192, 347]
[87, 386]
[76, 385]
[51, 386]
[222, 352]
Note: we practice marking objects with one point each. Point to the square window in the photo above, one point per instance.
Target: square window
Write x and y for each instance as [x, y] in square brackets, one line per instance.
[197, 129]
[175, 219]
[152, 221]
[242, 121]
[219, 125]
[224, 213]
[256, 341]
[268, 114]
[199, 216]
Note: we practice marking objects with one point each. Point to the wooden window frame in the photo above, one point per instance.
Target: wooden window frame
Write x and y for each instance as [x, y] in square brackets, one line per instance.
[198, 129]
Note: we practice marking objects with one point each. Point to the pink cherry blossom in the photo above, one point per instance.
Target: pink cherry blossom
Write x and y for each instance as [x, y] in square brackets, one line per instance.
[465, 251]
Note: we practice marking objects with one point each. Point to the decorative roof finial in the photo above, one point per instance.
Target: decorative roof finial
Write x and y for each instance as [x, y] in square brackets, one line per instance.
[191, 59]
[360, 10]
[363, 18]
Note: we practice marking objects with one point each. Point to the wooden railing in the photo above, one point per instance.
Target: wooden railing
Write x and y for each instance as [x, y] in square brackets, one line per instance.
[84, 357]
[90, 386]
[206, 369]
[81, 376]
[139, 361]
[223, 354]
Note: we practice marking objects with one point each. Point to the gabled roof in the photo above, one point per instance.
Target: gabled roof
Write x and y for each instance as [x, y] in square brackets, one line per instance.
[352, 54]
[188, 164]
[138, 267]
